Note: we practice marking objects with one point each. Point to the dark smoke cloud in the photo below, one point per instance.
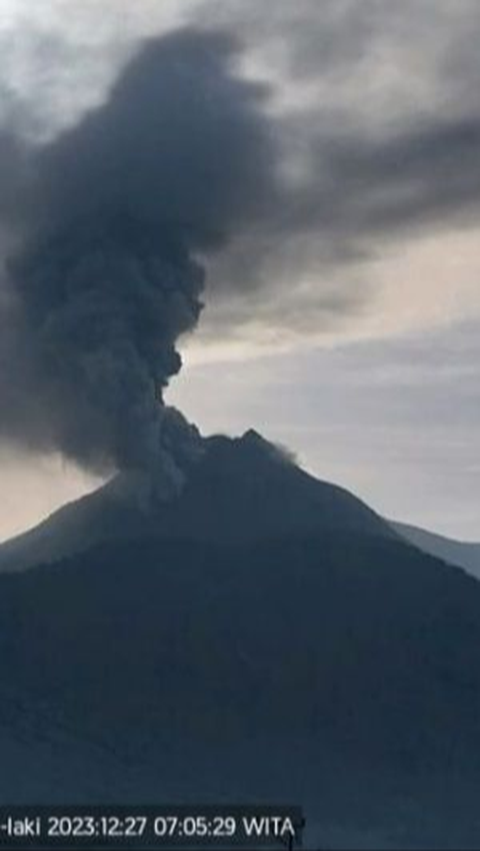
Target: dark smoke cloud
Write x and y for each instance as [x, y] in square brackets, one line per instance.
[106, 278]
[380, 138]
[14, 179]
[187, 164]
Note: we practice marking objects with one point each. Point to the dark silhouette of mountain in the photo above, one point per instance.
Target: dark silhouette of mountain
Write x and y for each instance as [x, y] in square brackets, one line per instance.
[242, 489]
[264, 637]
[462, 554]
[102, 515]
[338, 671]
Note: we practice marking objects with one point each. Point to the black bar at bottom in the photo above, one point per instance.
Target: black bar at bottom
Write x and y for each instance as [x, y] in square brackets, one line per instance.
[149, 827]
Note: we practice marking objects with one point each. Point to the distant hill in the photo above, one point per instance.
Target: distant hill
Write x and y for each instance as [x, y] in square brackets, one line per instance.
[462, 554]
[340, 671]
[242, 489]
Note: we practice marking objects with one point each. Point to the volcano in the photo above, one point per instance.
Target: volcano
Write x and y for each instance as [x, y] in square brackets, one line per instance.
[242, 489]
[265, 637]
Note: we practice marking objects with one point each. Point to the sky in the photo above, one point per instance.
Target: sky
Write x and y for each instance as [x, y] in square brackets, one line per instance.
[345, 324]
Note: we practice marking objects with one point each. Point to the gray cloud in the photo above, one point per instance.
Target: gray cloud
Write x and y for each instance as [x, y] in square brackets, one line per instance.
[425, 175]
[105, 280]
[188, 162]
[356, 196]
[380, 142]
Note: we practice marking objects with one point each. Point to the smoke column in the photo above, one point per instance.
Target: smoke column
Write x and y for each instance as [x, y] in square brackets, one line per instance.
[109, 221]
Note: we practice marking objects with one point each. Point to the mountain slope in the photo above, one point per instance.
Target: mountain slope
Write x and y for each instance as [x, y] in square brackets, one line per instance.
[242, 489]
[462, 554]
[39, 751]
[102, 515]
[340, 671]
[265, 636]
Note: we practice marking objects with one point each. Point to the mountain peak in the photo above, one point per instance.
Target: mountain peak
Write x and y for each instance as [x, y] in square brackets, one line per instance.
[252, 436]
[249, 454]
[241, 489]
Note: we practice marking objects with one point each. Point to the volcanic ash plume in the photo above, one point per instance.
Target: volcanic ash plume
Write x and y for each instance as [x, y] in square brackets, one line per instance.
[106, 278]
[100, 310]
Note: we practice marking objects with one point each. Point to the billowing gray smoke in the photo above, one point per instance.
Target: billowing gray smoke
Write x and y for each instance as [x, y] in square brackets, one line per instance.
[108, 221]
[104, 227]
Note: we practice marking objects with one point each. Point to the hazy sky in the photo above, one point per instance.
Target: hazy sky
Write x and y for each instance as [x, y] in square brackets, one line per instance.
[360, 350]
